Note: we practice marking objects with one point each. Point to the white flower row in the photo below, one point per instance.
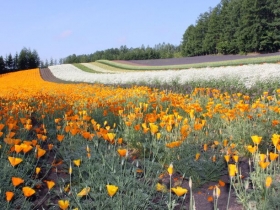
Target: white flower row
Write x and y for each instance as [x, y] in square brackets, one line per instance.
[246, 74]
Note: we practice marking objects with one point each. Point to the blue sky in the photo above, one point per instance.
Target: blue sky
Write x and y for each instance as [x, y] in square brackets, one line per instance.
[59, 28]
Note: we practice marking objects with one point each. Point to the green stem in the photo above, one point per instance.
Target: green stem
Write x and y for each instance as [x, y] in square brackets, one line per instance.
[170, 193]
[229, 192]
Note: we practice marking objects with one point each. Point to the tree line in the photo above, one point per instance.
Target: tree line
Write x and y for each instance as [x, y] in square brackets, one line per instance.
[235, 26]
[26, 59]
[124, 53]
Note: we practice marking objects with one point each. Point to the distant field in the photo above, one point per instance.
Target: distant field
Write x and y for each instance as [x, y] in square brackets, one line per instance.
[193, 60]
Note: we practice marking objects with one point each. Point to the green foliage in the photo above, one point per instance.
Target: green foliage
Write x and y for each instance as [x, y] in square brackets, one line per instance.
[84, 68]
[235, 26]
[28, 59]
[2, 64]
[124, 53]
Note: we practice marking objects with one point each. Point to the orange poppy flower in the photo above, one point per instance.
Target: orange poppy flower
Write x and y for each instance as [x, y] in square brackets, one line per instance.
[40, 152]
[173, 144]
[17, 181]
[205, 147]
[74, 131]
[14, 161]
[9, 196]
[50, 146]
[34, 142]
[18, 148]
[120, 140]
[26, 148]
[210, 198]
[252, 149]
[1, 126]
[221, 183]
[122, 152]
[273, 156]
[28, 191]
[225, 142]
[197, 155]
[37, 170]
[60, 137]
[137, 127]
[50, 184]
[44, 137]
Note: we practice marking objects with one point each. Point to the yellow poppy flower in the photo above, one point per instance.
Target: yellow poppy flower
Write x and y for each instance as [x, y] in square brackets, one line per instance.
[179, 191]
[262, 157]
[63, 204]
[256, 139]
[170, 169]
[273, 156]
[263, 164]
[77, 162]
[37, 170]
[84, 192]
[161, 187]
[227, 157]
[14, 161]
[268, 181]
[235, 158]
[112, 189]
[50, 184]
[232, 170]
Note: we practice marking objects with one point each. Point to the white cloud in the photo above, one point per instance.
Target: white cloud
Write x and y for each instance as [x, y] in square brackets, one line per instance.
[65, 34]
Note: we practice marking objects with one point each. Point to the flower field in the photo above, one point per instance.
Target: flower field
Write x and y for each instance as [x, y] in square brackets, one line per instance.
[245, 75]
[94, 146]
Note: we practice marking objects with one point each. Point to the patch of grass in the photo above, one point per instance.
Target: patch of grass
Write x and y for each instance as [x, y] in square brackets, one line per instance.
[84, 68]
